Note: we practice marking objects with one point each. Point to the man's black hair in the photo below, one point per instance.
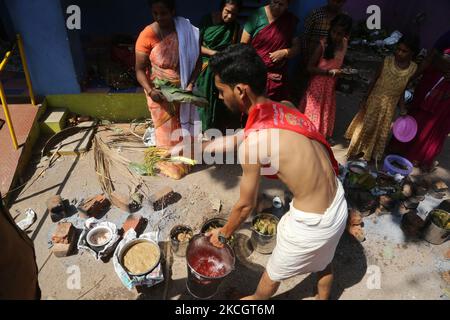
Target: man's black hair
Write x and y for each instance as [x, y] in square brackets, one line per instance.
[170, 4]
[240, 64]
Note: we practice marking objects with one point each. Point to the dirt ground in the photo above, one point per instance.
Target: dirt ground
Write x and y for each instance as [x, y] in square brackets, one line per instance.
[405, 269]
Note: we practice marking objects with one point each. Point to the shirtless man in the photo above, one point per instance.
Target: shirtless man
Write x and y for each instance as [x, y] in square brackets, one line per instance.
[308, 235]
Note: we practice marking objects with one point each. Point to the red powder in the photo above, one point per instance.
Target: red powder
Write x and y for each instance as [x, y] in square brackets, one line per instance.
[208, 264]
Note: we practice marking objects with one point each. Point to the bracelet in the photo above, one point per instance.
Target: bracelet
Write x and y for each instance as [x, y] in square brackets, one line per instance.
[222, 238]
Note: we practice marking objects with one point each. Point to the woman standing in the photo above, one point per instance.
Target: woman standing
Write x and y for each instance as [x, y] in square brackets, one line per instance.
[168, 50]
[431, 109]
[272, 32]
[218, 30]
[369, 131]
[324, 66]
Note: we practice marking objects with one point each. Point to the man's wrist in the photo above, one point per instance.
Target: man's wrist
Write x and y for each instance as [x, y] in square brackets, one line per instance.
[225, 233]
[222, 238]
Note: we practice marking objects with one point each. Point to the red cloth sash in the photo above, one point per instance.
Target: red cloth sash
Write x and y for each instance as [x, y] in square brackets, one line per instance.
[273, 115]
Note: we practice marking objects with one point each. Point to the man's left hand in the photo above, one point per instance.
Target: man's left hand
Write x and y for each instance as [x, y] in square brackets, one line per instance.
[214, 238]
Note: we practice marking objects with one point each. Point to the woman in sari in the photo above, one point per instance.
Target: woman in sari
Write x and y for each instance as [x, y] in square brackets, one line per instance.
[158, 56]
[431, 110]
[168, 50]
[272, 32]
[218, 30]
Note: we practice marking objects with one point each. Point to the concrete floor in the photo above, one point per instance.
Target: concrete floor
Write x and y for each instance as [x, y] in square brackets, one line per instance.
[386, 266]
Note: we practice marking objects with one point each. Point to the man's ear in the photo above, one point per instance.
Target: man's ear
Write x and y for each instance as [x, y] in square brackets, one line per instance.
[241, 90]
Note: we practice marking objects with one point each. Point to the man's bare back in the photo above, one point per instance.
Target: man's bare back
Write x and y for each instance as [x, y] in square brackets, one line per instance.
[304, 166]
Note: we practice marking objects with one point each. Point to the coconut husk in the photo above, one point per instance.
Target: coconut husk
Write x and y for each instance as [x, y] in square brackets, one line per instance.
[412, 224]
[354, 218]
[403, 209]
[386, 202]
[357, 232]
[440, 186]
[408, 190]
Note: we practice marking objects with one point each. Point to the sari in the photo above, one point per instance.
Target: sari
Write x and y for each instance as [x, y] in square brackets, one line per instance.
[319, 102]
[216, 37]
[164, 59]
[431, 110]
[270, 37]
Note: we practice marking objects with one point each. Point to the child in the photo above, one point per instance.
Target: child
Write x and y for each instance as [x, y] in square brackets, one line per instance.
[319, 101]
[369, 130]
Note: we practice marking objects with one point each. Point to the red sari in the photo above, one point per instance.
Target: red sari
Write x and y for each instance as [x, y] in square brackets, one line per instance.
[277, 35]
[431, 109]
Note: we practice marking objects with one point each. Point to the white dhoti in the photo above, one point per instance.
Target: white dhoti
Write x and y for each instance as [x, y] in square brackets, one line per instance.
[307, 242]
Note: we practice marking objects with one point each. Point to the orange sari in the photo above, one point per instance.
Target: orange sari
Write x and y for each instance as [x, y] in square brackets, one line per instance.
[164, 58]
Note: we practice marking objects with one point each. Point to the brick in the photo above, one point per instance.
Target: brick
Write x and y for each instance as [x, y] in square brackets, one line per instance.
[95, 206]
[136, 222]
[64, 239]
[55, 206]
[55, 121]
[63, 233]
[162, 198]
[61, 250]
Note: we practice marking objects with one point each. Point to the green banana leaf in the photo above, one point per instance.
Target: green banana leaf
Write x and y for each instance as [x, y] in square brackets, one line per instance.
[174, 94]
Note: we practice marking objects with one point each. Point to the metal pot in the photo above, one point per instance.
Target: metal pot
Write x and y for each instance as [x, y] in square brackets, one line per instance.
[433, 233]
[201, 286]
[215, 223]
[94, 232]
[132, 243]
[179, 248]
[262, 243]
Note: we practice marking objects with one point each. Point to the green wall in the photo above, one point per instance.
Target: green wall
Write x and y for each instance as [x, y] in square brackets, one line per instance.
[112, 107]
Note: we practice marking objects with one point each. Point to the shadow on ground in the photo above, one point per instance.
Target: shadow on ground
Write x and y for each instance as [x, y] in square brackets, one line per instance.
[350, 267]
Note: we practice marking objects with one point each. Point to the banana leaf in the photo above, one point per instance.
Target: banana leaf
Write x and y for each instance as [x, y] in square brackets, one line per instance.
[174, 94]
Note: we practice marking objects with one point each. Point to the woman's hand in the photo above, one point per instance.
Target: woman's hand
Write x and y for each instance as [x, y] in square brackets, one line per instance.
[335, 72]
[279, 55]
[157, 95]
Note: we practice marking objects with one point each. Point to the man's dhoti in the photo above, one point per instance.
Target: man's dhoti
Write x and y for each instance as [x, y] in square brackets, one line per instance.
[307, 242]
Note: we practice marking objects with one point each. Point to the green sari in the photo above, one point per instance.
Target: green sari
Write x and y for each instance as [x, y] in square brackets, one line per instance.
[215, 37]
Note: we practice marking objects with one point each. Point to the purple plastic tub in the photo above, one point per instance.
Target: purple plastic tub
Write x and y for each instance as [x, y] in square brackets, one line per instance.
[390, 168]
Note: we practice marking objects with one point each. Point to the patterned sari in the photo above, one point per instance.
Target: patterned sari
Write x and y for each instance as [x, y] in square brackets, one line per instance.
[164, 58]
[319, 101]
[370, 130]
[216, 37]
